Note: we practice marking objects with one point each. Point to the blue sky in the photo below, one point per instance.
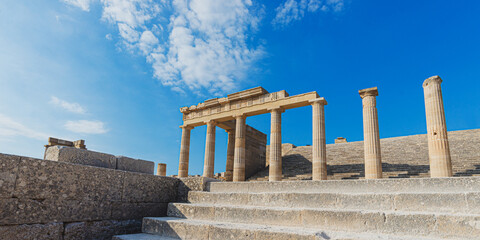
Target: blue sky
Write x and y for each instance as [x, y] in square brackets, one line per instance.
[116, 72]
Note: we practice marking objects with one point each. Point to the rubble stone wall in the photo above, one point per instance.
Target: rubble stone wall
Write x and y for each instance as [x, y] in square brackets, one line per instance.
[42, 199]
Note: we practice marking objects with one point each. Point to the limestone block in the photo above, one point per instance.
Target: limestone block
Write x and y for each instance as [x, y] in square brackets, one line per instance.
[51, 231]
[135, 165]
[123, 210]
[149, 188]
[181, 210]
[411, 224]
[8, 173]
[355, 221]
[435, 202]
[467, 227]
[42, 179]
[80, 156]
[192, 184]
[100, 229]
[217, 232]
[176, 229]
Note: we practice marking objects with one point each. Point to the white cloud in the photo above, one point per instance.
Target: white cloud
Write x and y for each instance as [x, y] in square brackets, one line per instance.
[195, 45]
[71, 107]
[294, 10]
[83, 4]
[10, 128]
[86, 126]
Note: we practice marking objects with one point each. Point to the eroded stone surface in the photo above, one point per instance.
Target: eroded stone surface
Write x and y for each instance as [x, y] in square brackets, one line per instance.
[51, 231]
[8, 174]
[135, 165]
[80, 156]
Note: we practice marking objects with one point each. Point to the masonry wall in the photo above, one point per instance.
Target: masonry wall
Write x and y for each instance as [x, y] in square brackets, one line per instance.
[42, 199]
[255, 151]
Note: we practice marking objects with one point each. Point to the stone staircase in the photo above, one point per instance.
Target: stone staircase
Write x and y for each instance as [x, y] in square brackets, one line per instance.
[417, 208]
[402, 157]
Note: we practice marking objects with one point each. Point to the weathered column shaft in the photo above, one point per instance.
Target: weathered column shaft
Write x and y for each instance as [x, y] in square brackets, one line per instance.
[275, 168]
[208, 167]
[239, 156]
[371, 139]
[162, 169]
[319, 146]
[438, 147]
[230, 155]
[184, 152]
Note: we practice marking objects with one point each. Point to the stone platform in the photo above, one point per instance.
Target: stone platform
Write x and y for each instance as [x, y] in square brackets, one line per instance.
[418, 208]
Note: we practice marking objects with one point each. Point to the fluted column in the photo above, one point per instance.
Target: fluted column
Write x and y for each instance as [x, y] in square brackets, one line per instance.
[230, 155]
[162, 169]
[208, 167]
[371, 135]
[275, 168]
[184, 152]
[319, 146]
[438, 147]
[239, 156]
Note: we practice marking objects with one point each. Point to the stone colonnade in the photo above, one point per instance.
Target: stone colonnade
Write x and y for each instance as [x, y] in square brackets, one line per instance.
[439, 152]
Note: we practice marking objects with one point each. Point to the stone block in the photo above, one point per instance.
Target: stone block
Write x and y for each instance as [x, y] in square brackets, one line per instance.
[192, 184]
[100, 229]
[353, 221]
[42, 179]
[181, 210]
[149, 188]
[455, 226]
[123, 210]
[135, 165]
[50, 231]
[175, 228]
[80, 156]
[8, 173]
[431, 202]
[410, 224]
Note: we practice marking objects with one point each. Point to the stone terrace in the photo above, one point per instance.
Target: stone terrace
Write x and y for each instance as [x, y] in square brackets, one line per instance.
[402, 157]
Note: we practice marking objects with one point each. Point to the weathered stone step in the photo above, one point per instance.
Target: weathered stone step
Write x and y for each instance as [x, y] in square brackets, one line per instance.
[178, 228]
[464, 226]
[413, 185]
[425, 202]
[142, 236]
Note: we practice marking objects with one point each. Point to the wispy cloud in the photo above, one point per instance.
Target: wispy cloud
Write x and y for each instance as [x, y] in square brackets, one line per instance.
[71, 107]
[10, 128]
[294, 10]
[86, 126]
[192, 45]
[83, 4]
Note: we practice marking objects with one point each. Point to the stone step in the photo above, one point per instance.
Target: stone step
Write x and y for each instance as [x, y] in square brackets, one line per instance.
[425, 202]
[177, 228]
[420, 185]
[465, 226]
[142, 236]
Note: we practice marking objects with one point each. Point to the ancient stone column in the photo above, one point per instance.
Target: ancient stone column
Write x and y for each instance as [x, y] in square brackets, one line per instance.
[438, 147]
[184, 152]
[230, 155]
[275, 168]
[162, 169]
[208, 166]
[319, 145]
[371, 136]
[239, 156]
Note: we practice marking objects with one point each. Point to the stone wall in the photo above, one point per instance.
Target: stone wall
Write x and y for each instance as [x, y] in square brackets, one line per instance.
[42, 199]
[255, 151]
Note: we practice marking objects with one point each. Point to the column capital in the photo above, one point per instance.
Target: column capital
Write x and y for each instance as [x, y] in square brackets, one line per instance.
[368, 92]
[274, 109]
[230, 131]
[240, 116]
[432, 79]
[186, 127]
[320, 100]
[210, 122]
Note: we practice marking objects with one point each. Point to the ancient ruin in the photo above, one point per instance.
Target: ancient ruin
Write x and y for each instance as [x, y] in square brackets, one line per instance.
[423, 186]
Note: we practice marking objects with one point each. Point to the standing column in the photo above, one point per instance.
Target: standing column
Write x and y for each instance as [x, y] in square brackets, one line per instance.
[438, 148]
[275, 168]
[208, 166]
[319, 146]
[162, 169]
[239, 156]
[371, 136]
[230, 155]
[184, 152]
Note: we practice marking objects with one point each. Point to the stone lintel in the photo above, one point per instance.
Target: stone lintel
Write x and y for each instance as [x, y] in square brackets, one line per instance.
[247, 93]
[277, 108]
[432, 79]
[368, 92]
[320, 100]
[187, 127]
